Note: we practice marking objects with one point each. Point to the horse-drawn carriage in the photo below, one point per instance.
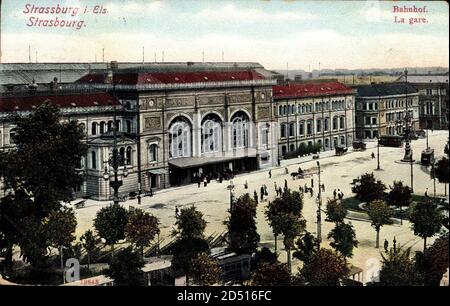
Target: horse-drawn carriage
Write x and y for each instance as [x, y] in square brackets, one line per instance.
[359, 146]
[340, 150]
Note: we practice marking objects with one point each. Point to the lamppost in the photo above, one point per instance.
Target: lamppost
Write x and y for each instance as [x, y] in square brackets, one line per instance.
[231, 187]
[408, 157]
[114, 161]
[319, 217]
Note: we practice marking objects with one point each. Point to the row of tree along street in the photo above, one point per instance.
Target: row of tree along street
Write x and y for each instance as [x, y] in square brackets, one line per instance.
[40, 173]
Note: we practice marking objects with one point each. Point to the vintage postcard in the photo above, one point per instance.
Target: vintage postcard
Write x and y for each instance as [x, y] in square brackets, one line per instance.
[224, 143]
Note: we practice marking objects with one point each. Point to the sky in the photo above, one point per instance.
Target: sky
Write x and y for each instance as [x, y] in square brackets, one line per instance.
[275, 33]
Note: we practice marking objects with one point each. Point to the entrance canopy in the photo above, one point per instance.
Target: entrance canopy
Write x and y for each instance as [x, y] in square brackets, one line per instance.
[191, 162]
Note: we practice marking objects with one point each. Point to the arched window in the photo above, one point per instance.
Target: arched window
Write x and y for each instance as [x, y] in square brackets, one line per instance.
[335, 123]
[301, 128]
[240, 122]
[211, 134]
[342, 123]
[280, 110]
[292, 129]
[180, 138]
[122, 156]
[93, 160]
[128, 161]
[325, 124]
[110, 125]
[118, 125]
[282, 130]
[82, 127]
[94, 128]
[319, 125]
[153, 152]
[102, 127]
[128, 123]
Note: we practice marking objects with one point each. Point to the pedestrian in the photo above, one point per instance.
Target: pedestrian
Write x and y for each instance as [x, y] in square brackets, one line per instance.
[280, 191]
[286, 170]
[285, 184]
[334, 194]
[373, 155]
[266, 193]
[323, 187]
[151, 192]
[311, 192]
[312, 183]
[261, 191]
[386, 245]
[255, 196]
[209, 178]
[270, 173]
[176, 211]
[426, 193]
[246, 185]
[305, 188]
[275, 185]
[205, 182]
[199, 181]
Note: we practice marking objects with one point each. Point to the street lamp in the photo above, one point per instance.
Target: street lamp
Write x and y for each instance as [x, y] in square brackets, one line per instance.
[231, 187]
[114, 161]
[319, 217]
[408, 157]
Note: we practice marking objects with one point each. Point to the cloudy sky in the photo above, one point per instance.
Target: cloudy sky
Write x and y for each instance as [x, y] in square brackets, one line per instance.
[347, 34]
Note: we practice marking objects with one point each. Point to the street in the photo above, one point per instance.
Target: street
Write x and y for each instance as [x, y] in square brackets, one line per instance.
[337, 173]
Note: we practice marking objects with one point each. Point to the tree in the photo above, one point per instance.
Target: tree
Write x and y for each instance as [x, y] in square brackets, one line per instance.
[326, 268]
[398, 269]
[368, 189]
[265, 255]
[190, 240]
[189, 223]
[442, 169]
[285, 217]
[336, 212]
[380, 214]
[400, 196]
[60, 227]
[242, 235]
[125, 268]
[306, 247]
[141, 228]
[434, 261]
[205, 270]
[344, 239]
[271, 274]
[89, 242]
[110, 223]
[41, 173]
[426, 220]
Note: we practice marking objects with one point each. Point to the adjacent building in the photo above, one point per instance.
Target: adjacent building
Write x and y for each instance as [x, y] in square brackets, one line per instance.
[433, 99]
[381, 109]
[314, 113]
[95, 112]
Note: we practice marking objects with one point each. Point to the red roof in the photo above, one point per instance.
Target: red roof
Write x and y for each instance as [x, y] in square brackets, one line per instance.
[28, 103]
[137, 78]
[299, 90]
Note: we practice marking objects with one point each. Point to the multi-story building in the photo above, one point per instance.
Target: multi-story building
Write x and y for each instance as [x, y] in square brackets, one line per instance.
[433, 99]
[193, 121]
[177, 122]
[314, 113]
[95, 113]
[381, 109]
